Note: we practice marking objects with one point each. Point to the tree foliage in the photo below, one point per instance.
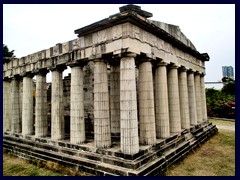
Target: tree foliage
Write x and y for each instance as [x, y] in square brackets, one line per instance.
[229, 87]
[6, 52]
[221, 103]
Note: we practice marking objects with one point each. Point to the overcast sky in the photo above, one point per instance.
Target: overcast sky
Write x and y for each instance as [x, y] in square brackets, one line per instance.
[211, 27]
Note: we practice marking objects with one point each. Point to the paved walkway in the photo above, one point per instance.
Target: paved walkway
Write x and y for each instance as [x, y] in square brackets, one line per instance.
[226, 127]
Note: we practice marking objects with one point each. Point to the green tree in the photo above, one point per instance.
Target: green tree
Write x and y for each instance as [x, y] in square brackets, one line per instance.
[219, 103]
[229, 87]
[6, 52]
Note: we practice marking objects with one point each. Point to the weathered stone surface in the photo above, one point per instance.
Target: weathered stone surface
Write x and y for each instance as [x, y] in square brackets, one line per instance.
[15, 115]
[57, 118]
[6, 106]
[41, 123]
[115, 98]
[198, 95]
[77, 122]
[27, 106]
[183, 95]
[102, 132]
[146, 104]
[161, 101]
[128, 106]
[173, 99]
[204, 102]
[192, 98]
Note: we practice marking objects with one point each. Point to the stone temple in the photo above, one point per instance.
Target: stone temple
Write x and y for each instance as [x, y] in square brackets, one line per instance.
[133, 104]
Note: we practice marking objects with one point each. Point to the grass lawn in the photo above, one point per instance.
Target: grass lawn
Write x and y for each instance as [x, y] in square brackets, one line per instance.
[13, 166]
[216, 157]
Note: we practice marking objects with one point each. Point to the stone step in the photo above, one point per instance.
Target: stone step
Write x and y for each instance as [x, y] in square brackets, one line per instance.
[151, 160]
[67, 160]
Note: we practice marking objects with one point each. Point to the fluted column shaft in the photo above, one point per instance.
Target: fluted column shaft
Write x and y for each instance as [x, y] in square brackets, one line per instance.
[161, 101]
[146, 104]
[27, 106]
[204, 103]
[15, 114]
[115, 98]
[77, 122]
[6, 106]
[198, 95]
[173, 97]
[57, 109]
[41, 123]
[184, 103]
[192, 98]
[128, 106]
[102, 134]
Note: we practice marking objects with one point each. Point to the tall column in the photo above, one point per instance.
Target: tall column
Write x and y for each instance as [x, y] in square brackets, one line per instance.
[192, 98]
[161, 99]
[115, 98]
[57, 109]
[146, 104]
[102, 133]
[198, 95]
[128, 106]
[41, 123]
[173, 97]
[77, 122]
[183, 94]
[15, 114]
[27, 106]
[6, 106]
[204, 103]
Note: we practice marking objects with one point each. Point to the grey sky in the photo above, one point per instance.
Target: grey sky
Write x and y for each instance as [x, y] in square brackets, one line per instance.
[211, 27]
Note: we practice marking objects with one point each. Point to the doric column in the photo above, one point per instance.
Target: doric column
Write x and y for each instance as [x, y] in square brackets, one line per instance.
[128, 106]
[192, 98]
[115, 98]
[204, 103]
[102, 133]
[77, 122]
[146, 103]
[27, 105]
[57, 109]
[161, 101]
[198, 95]
[15, 114]
[183, 96]
[41, 123]
[173, 97]
[6, 106]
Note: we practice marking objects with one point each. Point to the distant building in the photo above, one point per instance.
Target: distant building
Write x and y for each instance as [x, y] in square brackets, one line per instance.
[227, 71]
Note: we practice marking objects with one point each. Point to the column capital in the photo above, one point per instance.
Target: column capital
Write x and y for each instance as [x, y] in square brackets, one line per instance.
[183, 69]
[7, 79]
[114, 62]
[59, 68]
[16, 77]
[42, 72]
[191, 71]
[100, 60]
[202, 74]
[162, 63]
[173, 66]
[129, 54]
[76, 63]
[197, 73]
